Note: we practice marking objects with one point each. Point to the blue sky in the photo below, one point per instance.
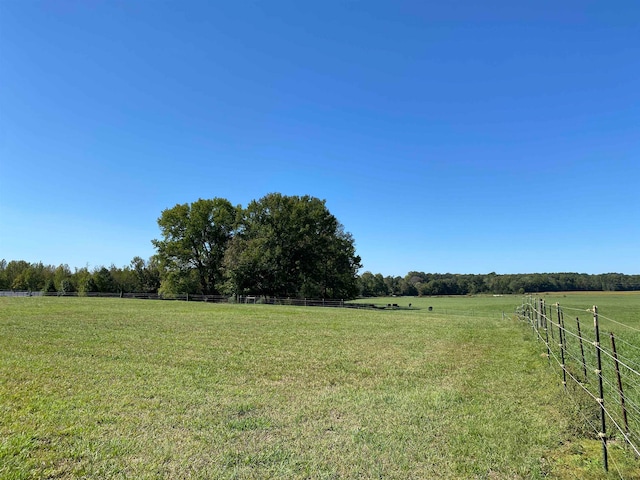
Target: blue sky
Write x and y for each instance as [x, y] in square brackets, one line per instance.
[458, 136]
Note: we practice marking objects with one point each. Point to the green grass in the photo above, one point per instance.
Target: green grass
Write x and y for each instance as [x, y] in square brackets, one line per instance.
[111, 388]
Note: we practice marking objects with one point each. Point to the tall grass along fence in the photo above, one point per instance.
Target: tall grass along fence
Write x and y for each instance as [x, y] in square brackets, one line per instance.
[599, 370]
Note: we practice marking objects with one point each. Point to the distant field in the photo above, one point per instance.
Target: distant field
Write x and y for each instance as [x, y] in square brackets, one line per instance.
[112, 388]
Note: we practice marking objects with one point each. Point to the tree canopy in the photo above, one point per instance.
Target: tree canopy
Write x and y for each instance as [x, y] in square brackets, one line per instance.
[195, 239]
[292, 246]
[278, 246]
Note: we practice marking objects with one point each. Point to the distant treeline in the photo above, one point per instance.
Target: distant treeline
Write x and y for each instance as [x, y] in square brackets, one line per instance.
[420, 283]
[139, 276]
[145, 276]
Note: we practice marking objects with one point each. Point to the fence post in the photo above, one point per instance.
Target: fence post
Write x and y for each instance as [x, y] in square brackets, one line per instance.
[603, 433]
[563, 339]
[620, 392]
[553, 337]
[546, 336]
[584, 362]
[542, 309]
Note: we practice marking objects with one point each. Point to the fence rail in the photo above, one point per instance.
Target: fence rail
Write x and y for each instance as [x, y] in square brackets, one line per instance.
[600, 368]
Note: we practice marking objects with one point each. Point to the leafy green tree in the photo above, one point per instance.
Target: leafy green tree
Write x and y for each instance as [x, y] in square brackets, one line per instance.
[244, 270]
[31, 277]
[84, 281]
[367, 284]
[380, 286]
[124, 279]
[12, 271]
[66, 286]
[49, 286]
[340, 267]
[89, 285]
[194, 240]
[374, 285]
[292, 246]
[412, 282]
[147, 274]
[104, 281]
[393, 285]
[4, 283]
[60, 274]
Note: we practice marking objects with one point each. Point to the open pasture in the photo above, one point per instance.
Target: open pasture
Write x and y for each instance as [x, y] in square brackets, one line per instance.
[111, 388]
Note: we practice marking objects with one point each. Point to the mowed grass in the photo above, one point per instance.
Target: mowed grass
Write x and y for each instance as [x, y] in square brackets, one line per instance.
[111, 388]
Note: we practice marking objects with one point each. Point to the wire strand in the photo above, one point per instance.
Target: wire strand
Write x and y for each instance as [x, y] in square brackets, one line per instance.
[619, 323]
[628, 368]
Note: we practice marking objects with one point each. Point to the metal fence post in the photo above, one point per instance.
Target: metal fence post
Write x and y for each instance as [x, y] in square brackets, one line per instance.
[620, 392]
[563, 339]
[603, 427]
[546, 340]
[584, 362]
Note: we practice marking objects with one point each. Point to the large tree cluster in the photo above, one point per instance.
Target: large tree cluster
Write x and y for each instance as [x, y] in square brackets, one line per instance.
[285, 246]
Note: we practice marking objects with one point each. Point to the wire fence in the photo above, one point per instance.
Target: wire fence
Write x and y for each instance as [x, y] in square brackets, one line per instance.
[190, 297]
[599, 370]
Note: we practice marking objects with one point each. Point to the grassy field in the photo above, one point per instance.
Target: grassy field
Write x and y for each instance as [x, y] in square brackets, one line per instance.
[111, 388]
